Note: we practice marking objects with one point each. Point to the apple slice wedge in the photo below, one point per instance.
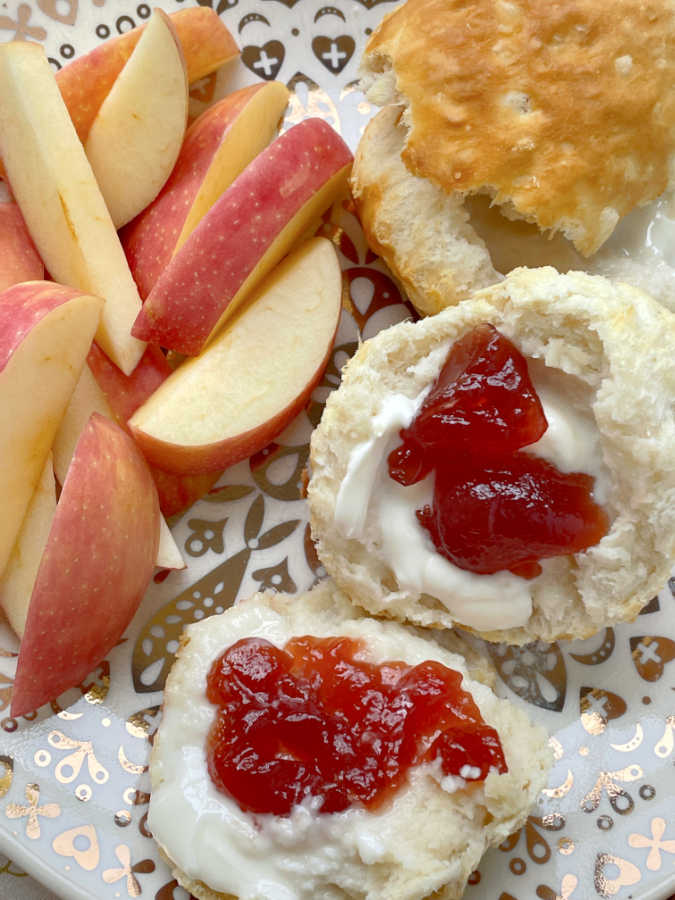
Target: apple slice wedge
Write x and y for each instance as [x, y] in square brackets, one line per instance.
[16, 585]
[256, 376]
[244, 235]
[85, 82]
[19, 260]
[45, 333]
[97, 563]
[88, 398]
[125, 393]
[59, 198]
[134, 141]
[217, 147]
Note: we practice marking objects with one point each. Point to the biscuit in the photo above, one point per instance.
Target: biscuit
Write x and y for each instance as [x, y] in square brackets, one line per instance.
[613, 347]
[454, 245]
[425, 841]
[562, 113]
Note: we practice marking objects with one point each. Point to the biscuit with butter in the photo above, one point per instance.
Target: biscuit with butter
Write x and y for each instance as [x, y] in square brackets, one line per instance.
[422, 841]
[600, 356]
[563, 113]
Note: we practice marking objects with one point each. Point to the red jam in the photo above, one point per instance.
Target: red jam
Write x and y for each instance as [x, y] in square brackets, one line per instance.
[494, 507]
[313, 719]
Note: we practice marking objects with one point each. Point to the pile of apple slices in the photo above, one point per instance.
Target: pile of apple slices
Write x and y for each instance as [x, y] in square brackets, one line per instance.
[213, 261]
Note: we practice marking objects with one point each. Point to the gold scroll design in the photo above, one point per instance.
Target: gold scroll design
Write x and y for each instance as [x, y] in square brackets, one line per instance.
[664, 747]
[655, 843]
[69, 767]
[537, 846]
[128, 871]
[605, 885]
[32, 811]
[568, 885]
[6, 774]
[81, 844]
[620, 800]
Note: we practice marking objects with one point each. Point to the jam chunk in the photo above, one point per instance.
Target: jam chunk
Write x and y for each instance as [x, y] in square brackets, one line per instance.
[495, 507]
[482, 402]
[510, 513]
[314, 720]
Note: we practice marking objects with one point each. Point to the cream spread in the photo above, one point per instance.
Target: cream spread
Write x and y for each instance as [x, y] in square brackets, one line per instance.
[380, 513]
[305, 856]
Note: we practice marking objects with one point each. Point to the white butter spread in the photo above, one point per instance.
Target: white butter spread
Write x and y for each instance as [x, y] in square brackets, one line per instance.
[379, 512]
[304, 856]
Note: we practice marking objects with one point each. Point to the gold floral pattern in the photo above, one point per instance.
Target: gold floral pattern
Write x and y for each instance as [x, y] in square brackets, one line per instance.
[608, 700]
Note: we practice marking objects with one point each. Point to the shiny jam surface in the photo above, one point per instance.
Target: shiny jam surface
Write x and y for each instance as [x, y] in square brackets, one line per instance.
[314, 720]
[495, 507]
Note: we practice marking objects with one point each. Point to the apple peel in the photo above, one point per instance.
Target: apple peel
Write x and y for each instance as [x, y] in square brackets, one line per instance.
[255, 377]
[98, 561]
[244, 235]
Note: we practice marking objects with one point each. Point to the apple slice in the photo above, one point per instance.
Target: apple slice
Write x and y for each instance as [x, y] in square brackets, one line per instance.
[244, 235]
[98, 561]
[84, 83]
[217, 147]
[256, 376]
[134, 141]
[88, 398]
[53, 184]
[45, 332]
[16, 585]
[19, 260]
[125, 393]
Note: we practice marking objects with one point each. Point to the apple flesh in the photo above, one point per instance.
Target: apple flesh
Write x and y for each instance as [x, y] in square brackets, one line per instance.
[19, 260]
[59, 198]
[135, 139]
[88, 398]
[45, 333]
[97, 563]
[244, 235]
[16, 585]
[217, 147]
[85, 82]
[125, 393]
[256, 376]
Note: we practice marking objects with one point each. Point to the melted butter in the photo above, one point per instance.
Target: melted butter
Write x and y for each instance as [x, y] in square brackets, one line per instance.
[378, 511]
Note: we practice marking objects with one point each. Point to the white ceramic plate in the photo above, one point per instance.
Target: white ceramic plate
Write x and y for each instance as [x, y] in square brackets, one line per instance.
[73, 781]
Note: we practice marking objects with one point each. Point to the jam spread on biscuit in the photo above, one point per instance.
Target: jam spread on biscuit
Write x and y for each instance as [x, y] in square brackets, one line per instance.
[312, 719]
[495, 507]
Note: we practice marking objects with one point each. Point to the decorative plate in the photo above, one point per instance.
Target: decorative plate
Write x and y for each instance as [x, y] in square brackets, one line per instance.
[73, 779]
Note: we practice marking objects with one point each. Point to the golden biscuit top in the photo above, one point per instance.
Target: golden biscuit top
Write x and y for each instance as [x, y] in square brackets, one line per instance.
[564, 112]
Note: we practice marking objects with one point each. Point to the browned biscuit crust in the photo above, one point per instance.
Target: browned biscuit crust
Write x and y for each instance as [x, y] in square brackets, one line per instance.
[563, 112]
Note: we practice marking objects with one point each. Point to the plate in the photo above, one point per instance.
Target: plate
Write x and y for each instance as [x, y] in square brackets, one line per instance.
[73, 779]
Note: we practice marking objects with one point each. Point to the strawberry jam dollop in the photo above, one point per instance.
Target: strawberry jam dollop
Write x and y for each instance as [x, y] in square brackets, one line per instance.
[312, 719]
[495, 507]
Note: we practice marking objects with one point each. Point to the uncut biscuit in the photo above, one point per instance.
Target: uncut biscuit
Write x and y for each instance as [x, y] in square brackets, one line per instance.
[426, 841]
[564, 113]
[612, 337]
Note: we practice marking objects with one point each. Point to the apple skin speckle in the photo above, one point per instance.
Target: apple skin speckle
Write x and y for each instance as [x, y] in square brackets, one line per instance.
[230, 250]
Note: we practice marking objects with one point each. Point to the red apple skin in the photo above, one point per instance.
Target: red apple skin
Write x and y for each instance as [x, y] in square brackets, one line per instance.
[209, 270]
[214, 458]
[97, 564]
[149, 240]
[19, 260]
[86, 82]
[30, 302]
[125, 393]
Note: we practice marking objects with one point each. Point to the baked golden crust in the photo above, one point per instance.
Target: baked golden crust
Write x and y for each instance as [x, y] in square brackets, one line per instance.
[564, 112]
